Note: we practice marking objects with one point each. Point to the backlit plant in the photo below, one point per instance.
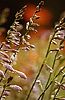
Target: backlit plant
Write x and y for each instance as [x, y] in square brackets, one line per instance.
[17, 40]
[10, 48]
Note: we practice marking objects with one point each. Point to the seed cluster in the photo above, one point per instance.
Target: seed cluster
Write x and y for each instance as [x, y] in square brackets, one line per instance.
[10, 48]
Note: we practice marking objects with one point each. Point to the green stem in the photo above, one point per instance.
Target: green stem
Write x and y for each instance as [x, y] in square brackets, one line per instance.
[58, 87]
[40, 67]
[50, 84]
[50, 75]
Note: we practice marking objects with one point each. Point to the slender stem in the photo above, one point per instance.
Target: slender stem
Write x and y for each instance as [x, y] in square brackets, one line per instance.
[42, 94]
[2, 91]
[50, 83]
[3, 86]
[52, 68]
[58, 87]
[4, 74]
[40, 68]
[35, 81]
[50, 75]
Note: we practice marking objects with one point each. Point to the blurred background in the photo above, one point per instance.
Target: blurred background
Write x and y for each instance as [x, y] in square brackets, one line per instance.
[50, 13]
[29, 62]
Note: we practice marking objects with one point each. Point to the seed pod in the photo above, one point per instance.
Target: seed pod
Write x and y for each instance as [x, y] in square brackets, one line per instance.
[5, 60]
[57, 58]
[2, 73]
[5, 54]
[16, 39]
[16, 43]
[26, 48]
[28, 36]
[21, 74]
[60, 98]
[7, 66]
[35, 17]
[61, 69]
[32, 29]
[27, 25]
[6, 93]
[62, 86]
[6, 45]
[16, 87]
[11, 50]
[34, 24]
[32, 46]
[17, 33]
[54, 42]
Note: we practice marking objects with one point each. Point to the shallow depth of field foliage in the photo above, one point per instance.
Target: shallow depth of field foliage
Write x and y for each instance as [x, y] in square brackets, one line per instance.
[32, 58]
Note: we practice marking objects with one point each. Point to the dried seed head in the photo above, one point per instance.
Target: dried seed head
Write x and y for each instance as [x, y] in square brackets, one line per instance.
[16, 87]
